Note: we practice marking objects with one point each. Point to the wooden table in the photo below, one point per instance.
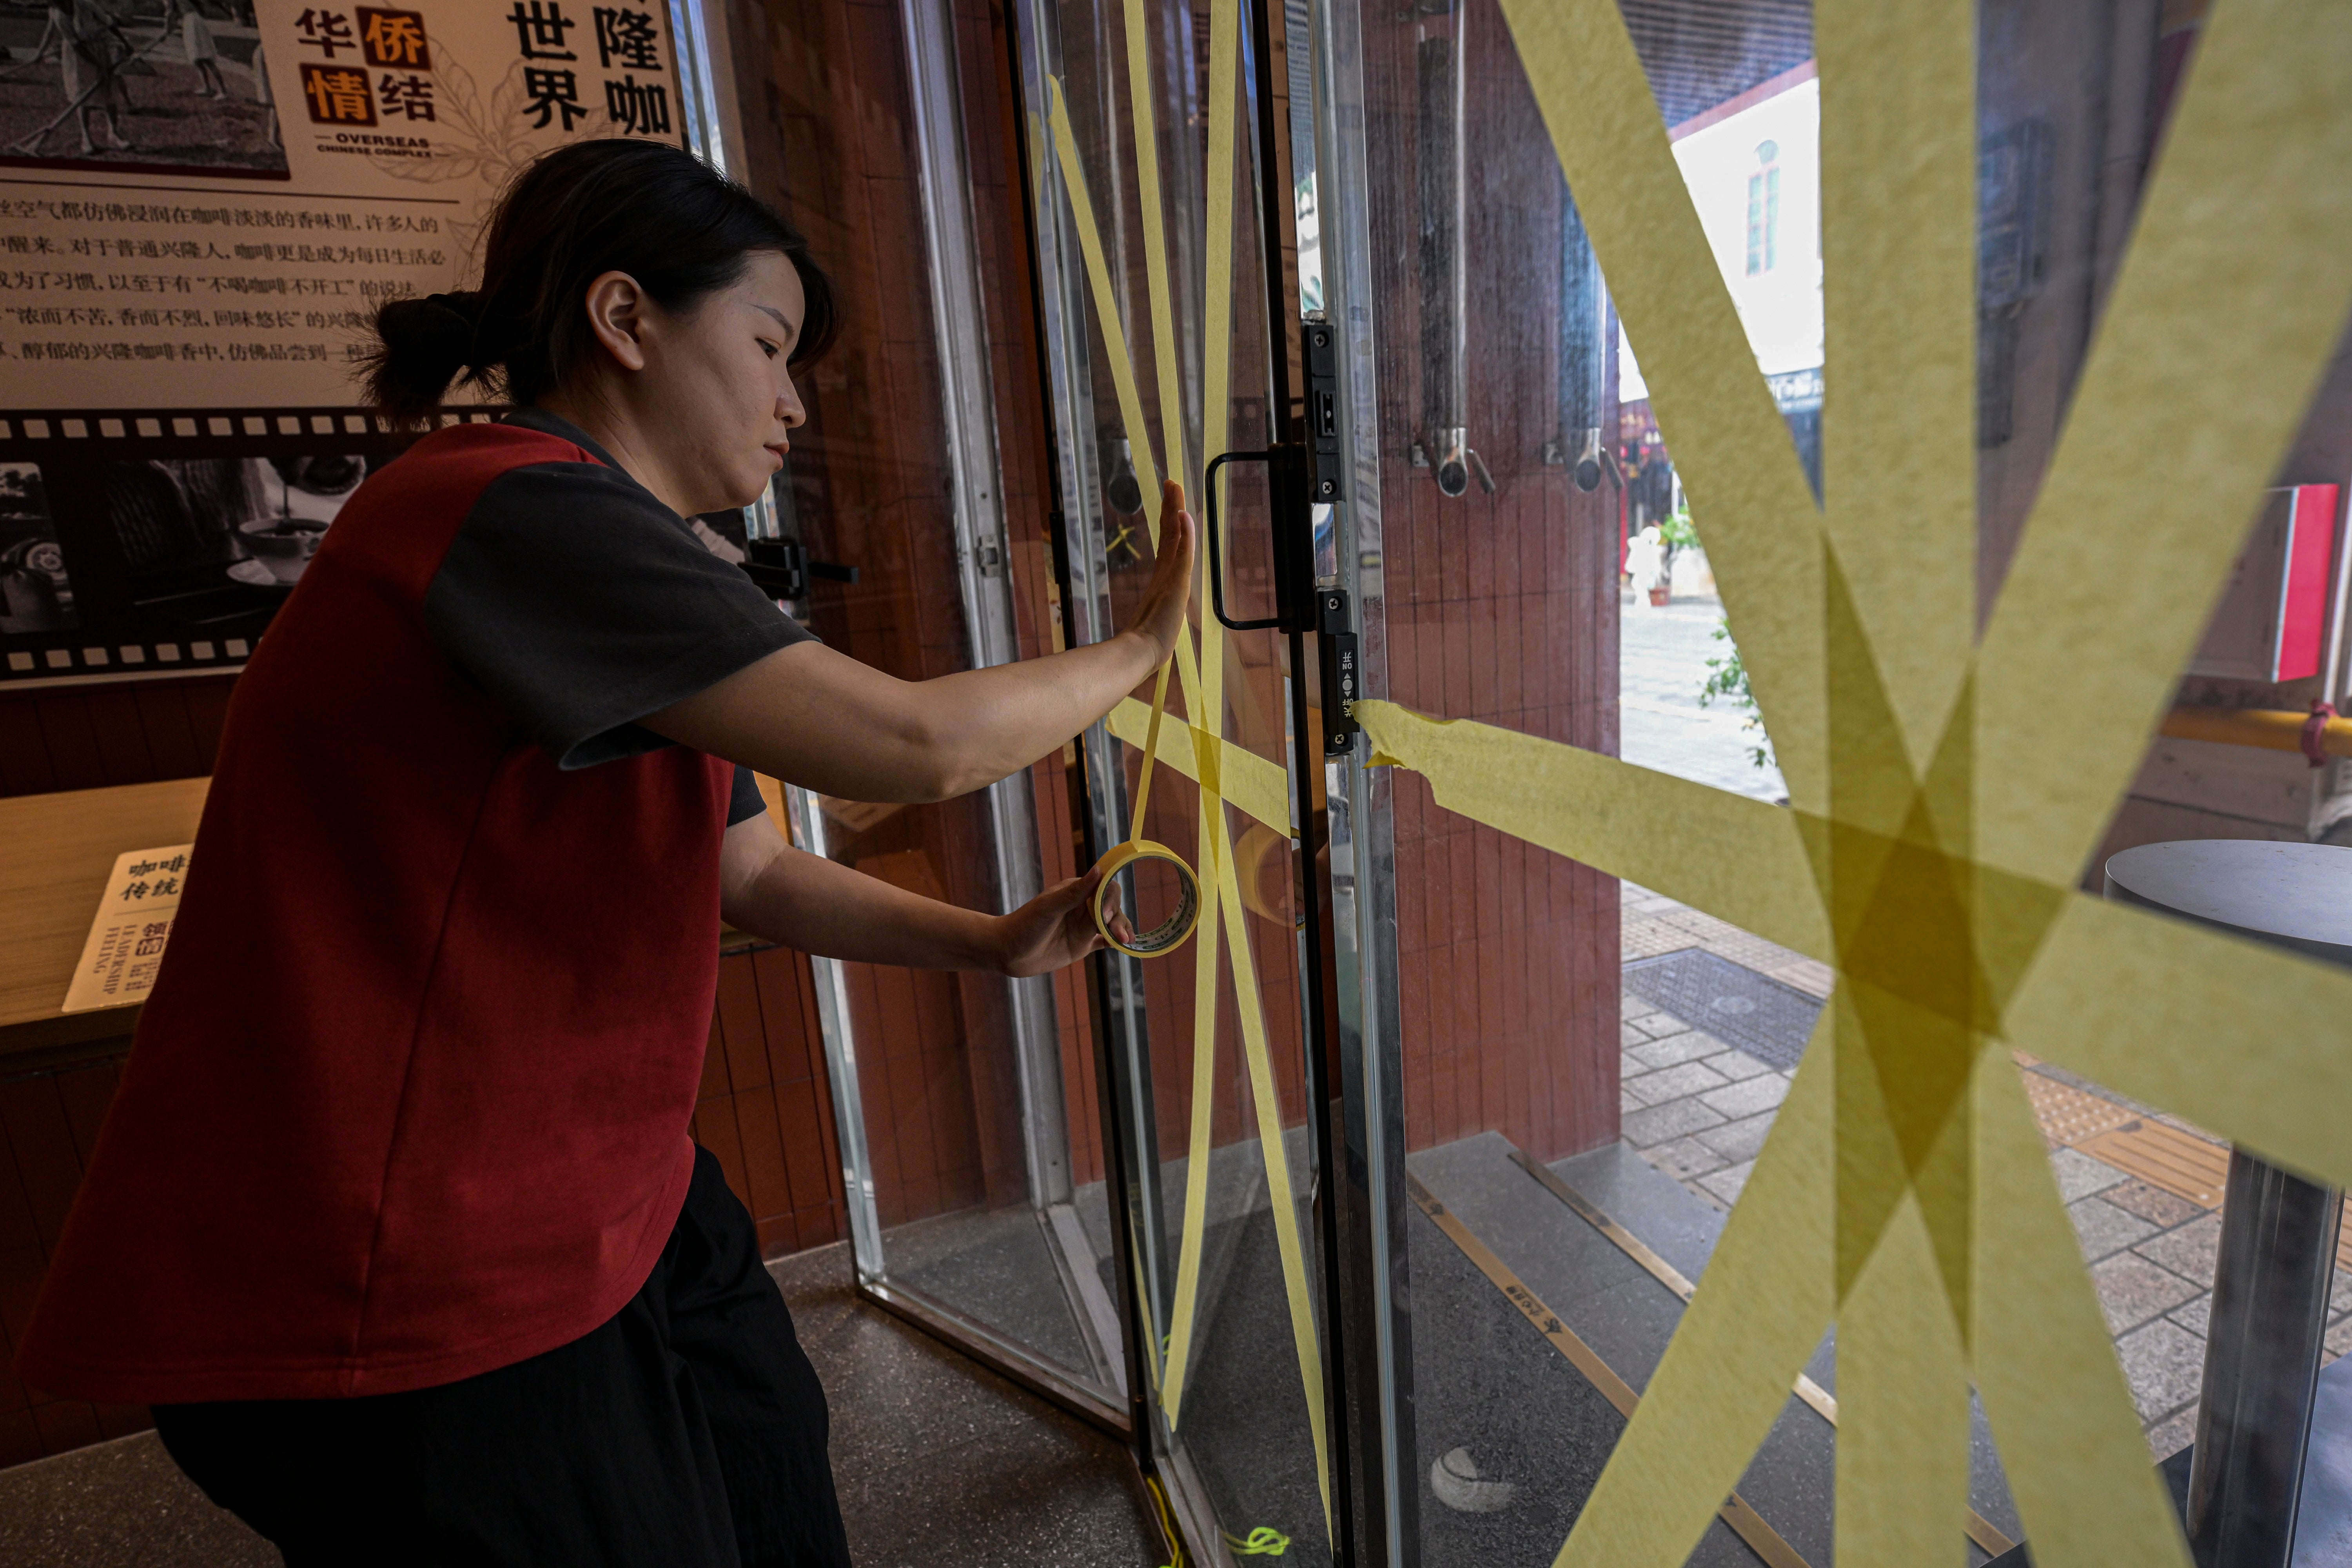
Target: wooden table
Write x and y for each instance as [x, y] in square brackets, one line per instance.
[55, 853]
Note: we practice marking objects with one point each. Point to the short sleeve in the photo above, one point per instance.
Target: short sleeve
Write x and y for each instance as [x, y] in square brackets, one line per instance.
[746, 802]
[583, 603]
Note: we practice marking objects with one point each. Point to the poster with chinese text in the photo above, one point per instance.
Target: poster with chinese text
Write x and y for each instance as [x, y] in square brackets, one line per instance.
[202, 202]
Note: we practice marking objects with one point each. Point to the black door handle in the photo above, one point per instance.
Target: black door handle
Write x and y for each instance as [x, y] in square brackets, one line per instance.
[1216, 554]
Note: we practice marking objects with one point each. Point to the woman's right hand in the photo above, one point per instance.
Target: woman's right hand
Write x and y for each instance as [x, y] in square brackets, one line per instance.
[1159, 618]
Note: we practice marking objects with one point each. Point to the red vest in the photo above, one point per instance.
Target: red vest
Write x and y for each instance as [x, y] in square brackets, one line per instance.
[409, 1100]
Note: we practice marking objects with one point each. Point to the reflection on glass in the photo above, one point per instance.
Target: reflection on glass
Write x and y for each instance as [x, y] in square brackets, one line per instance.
[975, 1151]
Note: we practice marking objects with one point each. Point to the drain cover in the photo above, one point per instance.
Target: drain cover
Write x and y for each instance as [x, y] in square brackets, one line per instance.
[1768, 1020]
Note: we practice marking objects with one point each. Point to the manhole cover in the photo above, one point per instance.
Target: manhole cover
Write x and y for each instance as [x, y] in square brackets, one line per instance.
[1768, 1020]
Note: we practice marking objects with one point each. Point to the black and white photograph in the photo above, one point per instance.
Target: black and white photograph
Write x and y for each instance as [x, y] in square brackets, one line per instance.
[157, 85]
[35, 594]
[209, 539]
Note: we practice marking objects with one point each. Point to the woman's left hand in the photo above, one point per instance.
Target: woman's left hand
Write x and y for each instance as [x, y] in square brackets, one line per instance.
[1053, 928]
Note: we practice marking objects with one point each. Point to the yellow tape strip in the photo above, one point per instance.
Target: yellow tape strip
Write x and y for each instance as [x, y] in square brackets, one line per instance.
[1204, 741]
[1259, 787]
[1189, 1247]
[2061, 1412]
[2246, 1040]
[1121, 363]
[1898, 163]
[1734, 857]
[1151, 747]
[1939, 849]
[1203, 748]
[1768, 1296]
[1166, 353]
[1278, 1176]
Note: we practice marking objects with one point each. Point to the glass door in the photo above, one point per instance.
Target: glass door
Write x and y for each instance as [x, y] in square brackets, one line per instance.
[1758, 435]
[1157, 140]
[964, 1104]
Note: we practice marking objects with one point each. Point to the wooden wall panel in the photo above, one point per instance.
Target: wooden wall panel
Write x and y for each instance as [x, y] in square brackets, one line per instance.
[829, 140]
[87, 737]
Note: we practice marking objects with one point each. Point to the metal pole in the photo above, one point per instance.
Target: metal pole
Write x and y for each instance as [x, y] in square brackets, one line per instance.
[2262, 1364]
[2263, 1336]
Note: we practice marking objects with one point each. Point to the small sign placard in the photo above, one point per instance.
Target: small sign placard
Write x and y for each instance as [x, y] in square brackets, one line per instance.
[134, 920]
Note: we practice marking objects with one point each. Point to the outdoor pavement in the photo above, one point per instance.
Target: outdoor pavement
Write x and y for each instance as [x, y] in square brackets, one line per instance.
[2143, 1188]
[1662, 664]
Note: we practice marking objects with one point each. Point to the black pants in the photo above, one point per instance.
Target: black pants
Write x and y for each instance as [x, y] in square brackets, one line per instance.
[689, 1430]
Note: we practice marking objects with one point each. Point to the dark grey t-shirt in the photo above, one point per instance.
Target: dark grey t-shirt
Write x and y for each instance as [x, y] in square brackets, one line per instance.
[583, 603]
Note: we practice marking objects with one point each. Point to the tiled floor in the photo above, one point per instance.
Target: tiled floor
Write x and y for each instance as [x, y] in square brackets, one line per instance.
[1698, 1111]
[938, 1462]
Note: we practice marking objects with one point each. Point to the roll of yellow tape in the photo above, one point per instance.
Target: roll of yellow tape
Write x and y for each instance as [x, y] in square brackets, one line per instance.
[1169, 934]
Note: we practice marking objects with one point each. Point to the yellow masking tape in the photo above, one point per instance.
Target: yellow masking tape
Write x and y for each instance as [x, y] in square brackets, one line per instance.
[1169, 934]
[2060, 1413]
[1222, 52]
[1198, 750]
[1736, 1512]
[1740, 858]
[1898, 163]
[1141, 93]
[1196, 1163]
[1277, 1174]
[1944, 814]
[1258, 787]
[2179, 1016]
[1903, 1387]
[1119, 362]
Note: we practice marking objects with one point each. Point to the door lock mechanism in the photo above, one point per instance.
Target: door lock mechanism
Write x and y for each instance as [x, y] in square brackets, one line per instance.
[782, 567]
[1336, 643]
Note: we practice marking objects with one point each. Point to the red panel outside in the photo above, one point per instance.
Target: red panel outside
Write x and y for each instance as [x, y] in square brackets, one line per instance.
[2303, 604]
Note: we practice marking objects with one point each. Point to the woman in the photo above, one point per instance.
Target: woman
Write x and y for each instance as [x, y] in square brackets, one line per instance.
[203, 55]
[395, 1220]
[87, 40]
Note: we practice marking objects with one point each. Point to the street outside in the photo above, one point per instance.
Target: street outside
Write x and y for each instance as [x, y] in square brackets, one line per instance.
[2143, 1189]
[1661, 667]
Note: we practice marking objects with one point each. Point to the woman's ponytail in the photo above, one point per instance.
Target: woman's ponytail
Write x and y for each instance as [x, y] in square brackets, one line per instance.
[421, 346]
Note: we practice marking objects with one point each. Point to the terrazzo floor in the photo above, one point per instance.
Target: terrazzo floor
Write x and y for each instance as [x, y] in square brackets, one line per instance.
[937, 1461]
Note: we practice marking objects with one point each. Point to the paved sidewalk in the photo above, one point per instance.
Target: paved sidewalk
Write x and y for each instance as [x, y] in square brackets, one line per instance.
[2143, 1188]
[1662, 656]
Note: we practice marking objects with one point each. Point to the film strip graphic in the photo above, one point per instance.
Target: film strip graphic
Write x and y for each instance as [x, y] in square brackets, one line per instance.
[139, 543]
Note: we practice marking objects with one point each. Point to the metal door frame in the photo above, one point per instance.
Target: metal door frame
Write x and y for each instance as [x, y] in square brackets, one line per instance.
[1341, 809]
